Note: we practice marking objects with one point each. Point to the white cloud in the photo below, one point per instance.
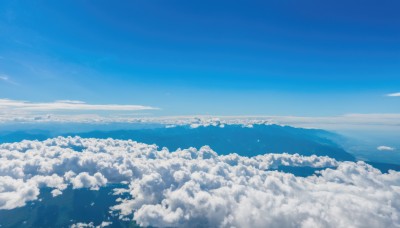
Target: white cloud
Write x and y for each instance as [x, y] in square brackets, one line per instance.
[56, 192]
[90, 225]
[344, 122]
[63, 105]
[393, 95]
[192, 188]
[16, 192]
[85, 180]
[387, 148]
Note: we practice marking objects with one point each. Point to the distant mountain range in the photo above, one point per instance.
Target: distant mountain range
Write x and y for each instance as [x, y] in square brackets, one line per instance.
[236, 139]
[259, 139]
[245, 141]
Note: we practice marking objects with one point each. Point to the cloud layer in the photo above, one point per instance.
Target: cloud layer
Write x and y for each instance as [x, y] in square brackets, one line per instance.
[343, 122]
[70, 111]
[199, 188]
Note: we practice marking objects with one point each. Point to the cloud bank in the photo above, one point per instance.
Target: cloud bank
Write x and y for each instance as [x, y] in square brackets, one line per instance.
[70, 111]
[199, 188]
[343, 122]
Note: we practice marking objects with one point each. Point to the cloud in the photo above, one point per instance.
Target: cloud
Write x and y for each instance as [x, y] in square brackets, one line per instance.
[199, 188]
[85, 180]
[387, 148]
[378, 121]
[16, 192]
[56, 192]
[6, 78]
[63, 105]
[393, 95]
[3, 77]
[90, 225]
[347, 121]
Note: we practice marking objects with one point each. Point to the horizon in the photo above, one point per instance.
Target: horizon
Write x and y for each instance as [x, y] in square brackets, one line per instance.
[192, 114]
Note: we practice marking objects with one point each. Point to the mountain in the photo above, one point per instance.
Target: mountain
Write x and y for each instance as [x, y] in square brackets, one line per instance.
[245, 141]
[259, 139]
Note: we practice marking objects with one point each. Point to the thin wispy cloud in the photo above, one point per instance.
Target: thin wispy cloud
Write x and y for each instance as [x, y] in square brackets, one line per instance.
[393, 94]
[7, 79]
[8, 104]
[3, 78]
[385, 148]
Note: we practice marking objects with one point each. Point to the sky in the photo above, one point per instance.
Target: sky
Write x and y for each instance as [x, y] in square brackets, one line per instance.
[332, 64]
[298, 58]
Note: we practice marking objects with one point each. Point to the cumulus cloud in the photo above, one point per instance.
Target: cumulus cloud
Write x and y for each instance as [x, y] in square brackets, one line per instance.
[387, 148]
[199, 188]
[85, 180]
[56, 192]
[393, 95]
[15, 192]
[7, 104]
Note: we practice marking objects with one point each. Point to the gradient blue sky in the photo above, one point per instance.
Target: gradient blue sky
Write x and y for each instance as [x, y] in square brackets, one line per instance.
[311, 58]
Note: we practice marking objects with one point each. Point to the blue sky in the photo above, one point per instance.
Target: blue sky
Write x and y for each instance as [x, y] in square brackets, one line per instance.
[304, 58]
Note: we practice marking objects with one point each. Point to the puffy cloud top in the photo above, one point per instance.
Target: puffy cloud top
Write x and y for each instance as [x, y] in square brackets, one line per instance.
[199, 188]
